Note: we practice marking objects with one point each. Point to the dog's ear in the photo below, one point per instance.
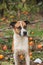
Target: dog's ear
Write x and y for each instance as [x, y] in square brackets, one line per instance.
[27, 22]
[13, 24]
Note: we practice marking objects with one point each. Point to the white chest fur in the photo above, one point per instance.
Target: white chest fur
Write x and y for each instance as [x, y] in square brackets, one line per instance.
[20, 43]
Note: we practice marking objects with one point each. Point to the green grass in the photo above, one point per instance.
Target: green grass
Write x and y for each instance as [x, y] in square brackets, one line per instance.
[38, 33]
[6, 63]
[38, 55]
[34, 56]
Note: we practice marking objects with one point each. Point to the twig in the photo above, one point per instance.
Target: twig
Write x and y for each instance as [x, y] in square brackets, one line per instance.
[36, 21]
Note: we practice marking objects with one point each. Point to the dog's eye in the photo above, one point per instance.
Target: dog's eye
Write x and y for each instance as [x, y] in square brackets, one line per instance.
[25, 27]
[19, 27]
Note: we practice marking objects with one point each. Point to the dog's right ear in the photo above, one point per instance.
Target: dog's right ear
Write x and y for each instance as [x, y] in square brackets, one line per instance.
[13, 24]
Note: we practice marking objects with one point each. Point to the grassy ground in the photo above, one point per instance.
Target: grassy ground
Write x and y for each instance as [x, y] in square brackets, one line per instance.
[34, 56]
[5, 63]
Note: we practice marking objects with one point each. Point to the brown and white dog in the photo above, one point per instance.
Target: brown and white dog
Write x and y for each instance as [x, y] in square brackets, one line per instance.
[20, 40]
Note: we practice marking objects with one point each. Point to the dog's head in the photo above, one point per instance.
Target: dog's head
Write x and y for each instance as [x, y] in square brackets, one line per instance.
[20, 27]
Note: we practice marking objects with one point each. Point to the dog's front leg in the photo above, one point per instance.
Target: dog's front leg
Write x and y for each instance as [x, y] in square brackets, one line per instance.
[27, 58]
[15, 58]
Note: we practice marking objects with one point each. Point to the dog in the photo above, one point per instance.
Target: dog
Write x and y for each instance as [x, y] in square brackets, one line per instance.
[20, 40]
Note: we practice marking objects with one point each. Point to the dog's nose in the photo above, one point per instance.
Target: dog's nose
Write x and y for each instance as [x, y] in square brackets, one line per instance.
[25, 33]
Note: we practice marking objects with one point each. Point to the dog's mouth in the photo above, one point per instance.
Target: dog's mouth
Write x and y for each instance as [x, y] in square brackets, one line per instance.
[23, 34]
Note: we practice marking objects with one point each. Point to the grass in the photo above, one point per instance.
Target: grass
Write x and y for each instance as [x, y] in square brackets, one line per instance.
[35, 55]
[5, 63]
[38, 55]
[37, 33]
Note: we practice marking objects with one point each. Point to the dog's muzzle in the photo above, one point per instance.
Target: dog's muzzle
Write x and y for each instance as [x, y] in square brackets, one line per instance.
[24, 33]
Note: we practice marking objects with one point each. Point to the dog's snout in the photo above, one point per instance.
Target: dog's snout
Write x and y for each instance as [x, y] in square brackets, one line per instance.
[25, 33]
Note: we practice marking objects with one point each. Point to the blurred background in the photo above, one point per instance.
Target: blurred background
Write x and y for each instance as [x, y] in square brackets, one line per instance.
[11, 10]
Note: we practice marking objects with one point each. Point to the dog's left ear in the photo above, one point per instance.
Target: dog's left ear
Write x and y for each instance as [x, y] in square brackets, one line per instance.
[13, 24]
[27, 22]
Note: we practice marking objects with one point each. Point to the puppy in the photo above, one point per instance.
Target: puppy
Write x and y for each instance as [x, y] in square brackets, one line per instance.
[20, 40]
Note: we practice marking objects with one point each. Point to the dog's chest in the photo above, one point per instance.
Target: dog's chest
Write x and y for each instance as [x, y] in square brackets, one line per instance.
[20, 43]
